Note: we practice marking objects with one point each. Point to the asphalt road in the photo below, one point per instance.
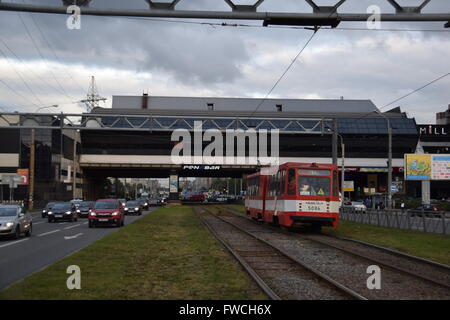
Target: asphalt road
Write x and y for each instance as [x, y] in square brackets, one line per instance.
[49, 243]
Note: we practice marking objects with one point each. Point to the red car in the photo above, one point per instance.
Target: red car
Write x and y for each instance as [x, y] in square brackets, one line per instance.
[107, 211]
[200, 197]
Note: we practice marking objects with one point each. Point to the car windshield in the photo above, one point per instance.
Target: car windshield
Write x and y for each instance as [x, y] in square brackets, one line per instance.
[106, 205]
[8, 212]
[49, 205]
[86, 204]
[62, 206]
[314, 186]
[132, 203]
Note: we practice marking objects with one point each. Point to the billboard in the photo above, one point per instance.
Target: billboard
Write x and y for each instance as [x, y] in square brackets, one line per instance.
[427, 167]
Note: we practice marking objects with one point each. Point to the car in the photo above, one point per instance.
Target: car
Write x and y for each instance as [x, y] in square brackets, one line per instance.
[133, 207]
[84, 208]
[428, 210]
[14, 221]
[144, 202]
[355, 205]
[76, 202]
[63, 211]
[47, 209]
[161, 200]
[107, 212]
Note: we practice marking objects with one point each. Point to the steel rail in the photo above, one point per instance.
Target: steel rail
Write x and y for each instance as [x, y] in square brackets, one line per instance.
[388, 265]
[260, 282]
[396, 252]
[230, 15]
[319, 274]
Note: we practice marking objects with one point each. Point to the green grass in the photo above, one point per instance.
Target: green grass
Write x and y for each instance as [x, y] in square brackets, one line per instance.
[167, 254]
[427, 245]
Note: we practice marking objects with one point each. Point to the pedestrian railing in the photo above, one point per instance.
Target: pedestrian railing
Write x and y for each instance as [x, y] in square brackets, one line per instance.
[417, 220]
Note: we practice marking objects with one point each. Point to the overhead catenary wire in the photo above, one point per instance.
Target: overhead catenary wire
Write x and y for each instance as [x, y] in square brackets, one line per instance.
[63, 91]
[284, 73]
[36, 22]
[406, 95]
[21, 77]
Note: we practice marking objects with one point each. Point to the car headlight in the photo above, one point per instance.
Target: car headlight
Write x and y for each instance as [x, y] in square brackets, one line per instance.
[146, 204]
[50, 212]
[115, 213]
[126, 208]
[136, 208]
[92, 213]
[78, 210]
[9, 224]
[44, 211]
[68, 212]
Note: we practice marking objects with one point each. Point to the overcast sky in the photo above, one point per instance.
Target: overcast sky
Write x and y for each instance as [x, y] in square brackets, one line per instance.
[43, 63]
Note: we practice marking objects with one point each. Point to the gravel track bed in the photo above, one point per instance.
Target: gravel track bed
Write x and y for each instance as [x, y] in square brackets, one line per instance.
[409, 264]
[288, 279]
[344, 267]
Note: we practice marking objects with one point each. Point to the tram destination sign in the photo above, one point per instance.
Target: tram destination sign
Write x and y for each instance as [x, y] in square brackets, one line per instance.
[427, 166]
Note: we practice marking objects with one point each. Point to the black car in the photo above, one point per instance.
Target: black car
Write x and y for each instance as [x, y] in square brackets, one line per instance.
[63, 211]
[84, 208]
[143, 202]
[133, 207]
[47, 209]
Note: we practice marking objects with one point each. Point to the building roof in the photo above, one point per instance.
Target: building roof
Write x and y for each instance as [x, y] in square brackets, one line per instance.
[244, 105]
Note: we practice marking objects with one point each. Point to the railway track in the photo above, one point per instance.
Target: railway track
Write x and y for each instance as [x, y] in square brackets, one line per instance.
[426, 275]
[279, 274]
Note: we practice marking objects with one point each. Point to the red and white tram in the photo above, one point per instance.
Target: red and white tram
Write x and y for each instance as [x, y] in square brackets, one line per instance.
[298, 193]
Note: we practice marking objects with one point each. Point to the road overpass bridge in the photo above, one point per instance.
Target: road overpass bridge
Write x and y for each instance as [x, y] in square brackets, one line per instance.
[134, 139]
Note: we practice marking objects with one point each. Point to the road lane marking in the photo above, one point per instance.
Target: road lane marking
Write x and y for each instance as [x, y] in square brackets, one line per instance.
[77, 225]
[46, 233]
[11, 243]
[85, 223]
[36, 223]
[73, 237]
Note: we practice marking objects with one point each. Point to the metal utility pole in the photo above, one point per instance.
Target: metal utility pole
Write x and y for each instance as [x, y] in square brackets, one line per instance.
[334, 142]
[389, 162]
[74, 182]
[32, 170]
[342, 169]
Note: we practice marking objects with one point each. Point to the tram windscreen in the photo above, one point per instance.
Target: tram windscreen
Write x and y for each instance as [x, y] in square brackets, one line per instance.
[314, 186]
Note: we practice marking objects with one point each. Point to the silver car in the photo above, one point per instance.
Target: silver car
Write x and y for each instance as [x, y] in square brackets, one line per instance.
[14, 221]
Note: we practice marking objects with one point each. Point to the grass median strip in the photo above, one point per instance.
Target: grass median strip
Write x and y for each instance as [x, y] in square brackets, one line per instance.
[431, 246]
[167, 254]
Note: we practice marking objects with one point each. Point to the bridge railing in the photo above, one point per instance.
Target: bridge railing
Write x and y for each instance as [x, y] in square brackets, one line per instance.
[146, 122]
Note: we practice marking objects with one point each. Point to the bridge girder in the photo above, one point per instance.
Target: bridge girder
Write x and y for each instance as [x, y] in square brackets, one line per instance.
[321, 15]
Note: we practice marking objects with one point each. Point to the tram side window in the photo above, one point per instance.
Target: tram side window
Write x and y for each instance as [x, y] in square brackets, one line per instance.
[253, 187]
[291, 182]
[274, 184]
[282, 180]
